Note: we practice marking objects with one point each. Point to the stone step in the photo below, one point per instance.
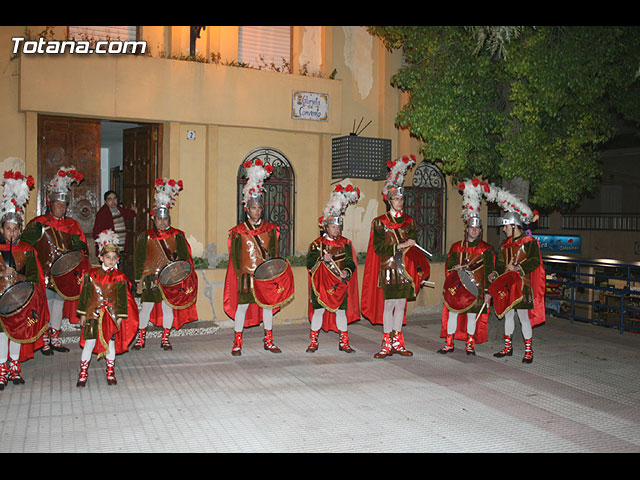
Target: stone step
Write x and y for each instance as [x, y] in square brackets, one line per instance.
[70, 332]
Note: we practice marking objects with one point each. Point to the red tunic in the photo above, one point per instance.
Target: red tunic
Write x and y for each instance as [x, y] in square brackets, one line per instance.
[230, 298]
[128, 326]
[481, 334]
[538, 280]
[353, 294]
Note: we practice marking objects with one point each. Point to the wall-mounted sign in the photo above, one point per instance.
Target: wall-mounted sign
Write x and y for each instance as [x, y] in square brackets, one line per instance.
[310, 106]
[560, 243]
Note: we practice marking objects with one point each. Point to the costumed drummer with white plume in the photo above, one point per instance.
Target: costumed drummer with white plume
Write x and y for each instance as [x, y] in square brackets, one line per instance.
[162, 252]
[394, 270]
[253, 244]
[333, 278]
[24, 313]
[469, 262]
[62, 252]
[518, 282]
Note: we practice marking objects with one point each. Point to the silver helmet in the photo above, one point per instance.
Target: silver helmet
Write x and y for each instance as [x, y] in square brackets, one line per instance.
[474, 221]
[162, 211]
[333, 220]
[512, 218]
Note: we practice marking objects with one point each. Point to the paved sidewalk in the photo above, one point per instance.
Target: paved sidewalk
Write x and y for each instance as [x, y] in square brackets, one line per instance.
[581, 394]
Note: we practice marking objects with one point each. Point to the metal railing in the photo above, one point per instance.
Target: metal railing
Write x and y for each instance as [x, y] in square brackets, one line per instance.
[601, 292]
[630, 223]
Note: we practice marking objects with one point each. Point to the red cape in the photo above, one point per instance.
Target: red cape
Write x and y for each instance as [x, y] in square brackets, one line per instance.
[27, 349]
[372, 296]
[66, 224]
[230, 297]
[128, 326]
[353, 294]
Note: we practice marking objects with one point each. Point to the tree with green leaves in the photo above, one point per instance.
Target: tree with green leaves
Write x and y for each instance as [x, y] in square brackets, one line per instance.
[509, 104]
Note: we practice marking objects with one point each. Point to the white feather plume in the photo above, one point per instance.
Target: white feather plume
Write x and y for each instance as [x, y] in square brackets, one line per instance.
[474, 190]
[340, 199]
[397, 171]
[106, 237]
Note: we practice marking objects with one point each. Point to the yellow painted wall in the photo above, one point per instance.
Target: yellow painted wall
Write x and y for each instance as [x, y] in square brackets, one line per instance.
[232, 112]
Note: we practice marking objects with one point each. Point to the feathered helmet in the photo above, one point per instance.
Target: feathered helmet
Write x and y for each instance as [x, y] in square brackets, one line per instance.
[516, 212]
[341, 198]
[107, 241]
[256, 172]
[165, 196]
[15, 195]
[395, 178]
[58, 187]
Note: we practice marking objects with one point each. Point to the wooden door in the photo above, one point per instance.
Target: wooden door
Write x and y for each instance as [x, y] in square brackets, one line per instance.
[64, 142]
[141, 163]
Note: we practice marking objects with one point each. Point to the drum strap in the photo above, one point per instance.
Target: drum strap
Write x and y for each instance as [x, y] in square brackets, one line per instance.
[10, 261]
[167, 251]
[257, 240]
[7, 256]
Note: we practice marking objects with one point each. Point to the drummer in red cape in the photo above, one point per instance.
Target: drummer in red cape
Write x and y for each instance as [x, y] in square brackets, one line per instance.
[250, 298]
[518, 282]
[395, 267]
[107, 311]
[23, 301]
[333, 279]
[62, 252]
[469, 263]
[157, 251]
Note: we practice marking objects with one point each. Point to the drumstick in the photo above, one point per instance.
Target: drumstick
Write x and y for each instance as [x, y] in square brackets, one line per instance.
[481, 309]
[423, 250]
[337, 268]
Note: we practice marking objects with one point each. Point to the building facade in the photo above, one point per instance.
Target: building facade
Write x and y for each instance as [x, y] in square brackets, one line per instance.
[196, 104]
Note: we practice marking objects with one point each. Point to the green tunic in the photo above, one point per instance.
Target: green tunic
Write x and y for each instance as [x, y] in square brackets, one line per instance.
[90, 331]
[394, 286]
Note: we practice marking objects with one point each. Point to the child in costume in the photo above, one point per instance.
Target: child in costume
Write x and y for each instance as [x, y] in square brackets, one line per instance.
[106, 309]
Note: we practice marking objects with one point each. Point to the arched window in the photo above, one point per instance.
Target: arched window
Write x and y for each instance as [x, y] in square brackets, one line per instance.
[425, 202]
[278, 197]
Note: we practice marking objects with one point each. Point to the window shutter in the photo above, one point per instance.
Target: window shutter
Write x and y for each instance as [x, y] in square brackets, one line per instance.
[102, 32]
[273, 43]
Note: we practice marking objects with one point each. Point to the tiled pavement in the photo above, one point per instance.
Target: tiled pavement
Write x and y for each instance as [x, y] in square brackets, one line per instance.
[581, 394]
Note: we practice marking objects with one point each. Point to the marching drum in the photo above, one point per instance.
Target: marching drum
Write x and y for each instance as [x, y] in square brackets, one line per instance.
[460, 291]
[329, 287]
[506, 291]
[178, 283]
[413, 265]
[273, 283]
[20, 305]
[66, 273]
